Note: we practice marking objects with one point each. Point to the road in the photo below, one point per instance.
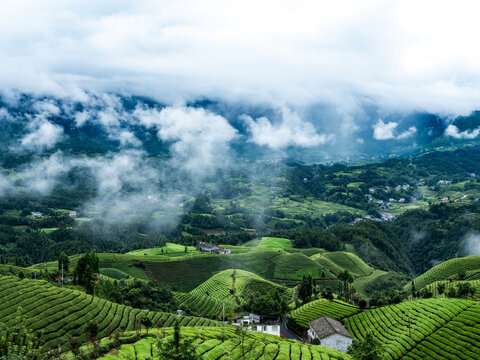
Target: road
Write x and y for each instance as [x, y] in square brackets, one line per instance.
[286, 331]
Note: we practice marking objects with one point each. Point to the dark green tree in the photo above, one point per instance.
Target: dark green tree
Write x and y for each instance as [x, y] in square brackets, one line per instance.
[305, 289]
[177, 348]
[63, 259]
[367, 349]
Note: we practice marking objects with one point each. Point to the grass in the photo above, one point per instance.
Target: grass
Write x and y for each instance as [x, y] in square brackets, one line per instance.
[169, 249]
[351, 262]
[274, 243]
[360, 283]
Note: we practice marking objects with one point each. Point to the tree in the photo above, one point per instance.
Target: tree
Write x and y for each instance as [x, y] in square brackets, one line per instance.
[91, 330]
[367, 349]
[281, 305]
[177, 348]
[147, 322]
[63, 259]
[305, 288]
[86, 269]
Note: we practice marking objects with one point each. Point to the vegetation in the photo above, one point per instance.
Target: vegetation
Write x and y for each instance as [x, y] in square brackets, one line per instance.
[333, 309]
[218, 343]
[401, 328]
[60, 314]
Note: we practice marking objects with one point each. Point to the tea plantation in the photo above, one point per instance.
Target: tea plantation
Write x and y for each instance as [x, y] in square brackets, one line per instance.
[423, 329]
[224, 343]
[209, 298]
[450, 269]
[315, 309]
[60, 314]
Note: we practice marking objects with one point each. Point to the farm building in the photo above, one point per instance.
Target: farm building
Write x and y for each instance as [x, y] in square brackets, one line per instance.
[256, 324]
[331, 333]
[207, 247]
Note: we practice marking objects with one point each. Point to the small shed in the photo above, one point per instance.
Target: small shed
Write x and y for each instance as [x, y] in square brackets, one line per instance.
[330, 332]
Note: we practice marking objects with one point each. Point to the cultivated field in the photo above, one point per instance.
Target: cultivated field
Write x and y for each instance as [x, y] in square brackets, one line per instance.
[59, 314]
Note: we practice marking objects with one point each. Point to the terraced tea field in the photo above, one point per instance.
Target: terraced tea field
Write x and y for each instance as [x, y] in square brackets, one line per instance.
[209, 298]
[449, 269]
[350, 262]
[62, 313]
[333, 309]
[215, 343]
[423, 329]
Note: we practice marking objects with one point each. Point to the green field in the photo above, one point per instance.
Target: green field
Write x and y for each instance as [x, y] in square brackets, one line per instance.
[449, 269]
[423, 329]
[333, 309]
[169, 249]
[60, 313]
[360, 283]
[209, 298]
[350, 262]
[271, 243]
[216, 343]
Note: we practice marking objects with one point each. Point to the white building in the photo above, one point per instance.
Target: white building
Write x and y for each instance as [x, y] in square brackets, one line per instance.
[270, 328]
[331, 333]
[254, 323]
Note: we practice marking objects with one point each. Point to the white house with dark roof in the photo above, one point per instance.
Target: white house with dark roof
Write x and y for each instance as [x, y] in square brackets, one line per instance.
[331, 333]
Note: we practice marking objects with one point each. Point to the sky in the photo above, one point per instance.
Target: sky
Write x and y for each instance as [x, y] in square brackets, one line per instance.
[418, 55]
[395, 56]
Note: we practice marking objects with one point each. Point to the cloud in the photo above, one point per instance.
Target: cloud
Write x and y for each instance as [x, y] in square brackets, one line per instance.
[44, 136]
[386, 131]
[290, 131]
[454, 132]
[269, 52]
[200, 138]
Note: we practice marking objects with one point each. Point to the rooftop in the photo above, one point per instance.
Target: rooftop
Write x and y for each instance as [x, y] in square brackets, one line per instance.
[324, 326]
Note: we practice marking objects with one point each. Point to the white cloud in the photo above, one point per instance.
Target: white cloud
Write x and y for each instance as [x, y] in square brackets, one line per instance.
[200, 138]
[394, 54]
[291, 131]
[454, 132]
[44, 136]
[386, 131]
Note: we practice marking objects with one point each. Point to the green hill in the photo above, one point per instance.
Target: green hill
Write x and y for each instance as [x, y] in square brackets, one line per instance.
[315, 309]
[60, 314]
[215, 343]
[450, 269]
[209, 298]
[351, 262]
[423, 329]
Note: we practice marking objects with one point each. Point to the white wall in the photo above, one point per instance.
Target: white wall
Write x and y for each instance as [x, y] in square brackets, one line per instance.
[336, 341]
[268, 329]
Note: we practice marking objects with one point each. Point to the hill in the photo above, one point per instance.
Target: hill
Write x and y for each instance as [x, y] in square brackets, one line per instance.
[225, 343]
[351, 262]
[457, 269]
[333, 309]
[229, 288]
[423, 329]
[59, 314]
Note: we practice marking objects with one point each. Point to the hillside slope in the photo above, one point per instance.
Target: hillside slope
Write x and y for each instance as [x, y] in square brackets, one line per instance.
[209, 298]
[423, 329]
[60, 314]
[225, 343]
[450, 269]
